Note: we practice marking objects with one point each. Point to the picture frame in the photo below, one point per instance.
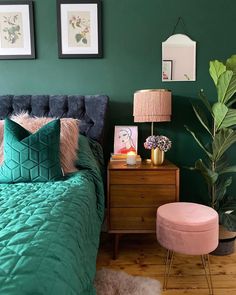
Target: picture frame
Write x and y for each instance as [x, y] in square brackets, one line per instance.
[16, 30]
[125, 139]
[167, 70]
[79, 28]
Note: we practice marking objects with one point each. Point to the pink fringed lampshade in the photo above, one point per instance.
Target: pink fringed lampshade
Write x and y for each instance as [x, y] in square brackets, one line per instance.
[152, 105]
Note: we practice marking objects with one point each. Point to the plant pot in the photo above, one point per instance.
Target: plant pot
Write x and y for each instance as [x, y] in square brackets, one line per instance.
[226, 242]
[157, 156]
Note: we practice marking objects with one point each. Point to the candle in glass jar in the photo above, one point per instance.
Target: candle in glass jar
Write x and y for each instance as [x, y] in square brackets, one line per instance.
[131, 158]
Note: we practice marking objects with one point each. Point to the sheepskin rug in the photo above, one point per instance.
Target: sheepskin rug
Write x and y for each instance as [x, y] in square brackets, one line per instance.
[110, 282]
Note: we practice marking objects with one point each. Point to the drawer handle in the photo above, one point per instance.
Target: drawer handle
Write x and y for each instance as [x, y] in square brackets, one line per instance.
[142, 219]
[142, 196]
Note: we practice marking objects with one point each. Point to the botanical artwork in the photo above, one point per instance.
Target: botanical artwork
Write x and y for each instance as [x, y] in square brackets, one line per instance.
[16, 30]
[11, 30]
[79, 29]
[125, 139]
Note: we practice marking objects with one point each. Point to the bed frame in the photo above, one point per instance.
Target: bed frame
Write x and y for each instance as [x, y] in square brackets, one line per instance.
[91, 110]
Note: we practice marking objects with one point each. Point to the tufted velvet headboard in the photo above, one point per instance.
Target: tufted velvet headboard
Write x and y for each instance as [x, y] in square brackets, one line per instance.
[91, 110]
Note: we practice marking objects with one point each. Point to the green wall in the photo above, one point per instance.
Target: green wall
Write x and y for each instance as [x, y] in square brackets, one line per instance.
[132, 34]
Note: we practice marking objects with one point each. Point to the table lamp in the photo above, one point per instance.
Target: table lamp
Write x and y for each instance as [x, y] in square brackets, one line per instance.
[152, 105]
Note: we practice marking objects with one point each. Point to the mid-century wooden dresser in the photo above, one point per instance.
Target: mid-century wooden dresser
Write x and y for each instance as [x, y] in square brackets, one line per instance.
[134, 194]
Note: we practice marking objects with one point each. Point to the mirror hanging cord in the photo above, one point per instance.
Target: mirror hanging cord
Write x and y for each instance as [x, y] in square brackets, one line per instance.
[180, 21]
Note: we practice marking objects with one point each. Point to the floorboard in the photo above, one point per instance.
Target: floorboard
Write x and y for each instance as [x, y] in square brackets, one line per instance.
[141, 255]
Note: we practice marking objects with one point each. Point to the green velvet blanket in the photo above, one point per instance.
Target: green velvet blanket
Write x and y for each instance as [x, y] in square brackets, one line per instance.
[49, 232]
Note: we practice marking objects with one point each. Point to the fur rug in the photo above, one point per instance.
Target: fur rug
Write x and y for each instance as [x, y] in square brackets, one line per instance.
[110, 282]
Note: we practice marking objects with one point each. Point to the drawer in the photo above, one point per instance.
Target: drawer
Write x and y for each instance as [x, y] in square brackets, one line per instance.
[132, 218]
[143, 177]
[141, 195]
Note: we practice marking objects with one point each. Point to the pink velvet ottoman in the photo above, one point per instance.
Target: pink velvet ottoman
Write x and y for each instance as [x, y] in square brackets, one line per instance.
[188, 228]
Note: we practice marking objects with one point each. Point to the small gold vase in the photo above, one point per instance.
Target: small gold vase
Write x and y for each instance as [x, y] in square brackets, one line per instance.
[157, 156]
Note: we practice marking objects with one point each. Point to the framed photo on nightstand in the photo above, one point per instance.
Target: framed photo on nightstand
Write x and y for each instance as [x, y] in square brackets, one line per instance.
[125, 139]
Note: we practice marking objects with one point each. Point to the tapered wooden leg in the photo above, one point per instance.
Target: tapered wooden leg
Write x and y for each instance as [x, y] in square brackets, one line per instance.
[116, 246]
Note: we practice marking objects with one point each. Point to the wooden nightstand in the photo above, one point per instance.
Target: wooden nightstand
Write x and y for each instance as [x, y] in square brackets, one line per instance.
[135, 193]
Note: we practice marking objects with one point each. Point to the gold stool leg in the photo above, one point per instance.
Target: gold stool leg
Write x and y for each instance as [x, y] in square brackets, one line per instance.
[210, 275]
[168, 265]
[207, 268]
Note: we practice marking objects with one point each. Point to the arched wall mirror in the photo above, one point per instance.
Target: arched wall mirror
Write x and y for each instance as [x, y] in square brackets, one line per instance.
[179, 59]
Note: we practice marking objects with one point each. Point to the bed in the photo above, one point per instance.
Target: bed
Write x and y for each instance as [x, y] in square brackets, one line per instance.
[49, 232]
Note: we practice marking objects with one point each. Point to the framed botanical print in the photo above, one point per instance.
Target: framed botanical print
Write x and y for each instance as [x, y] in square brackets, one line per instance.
[79, 28]
[16, 30]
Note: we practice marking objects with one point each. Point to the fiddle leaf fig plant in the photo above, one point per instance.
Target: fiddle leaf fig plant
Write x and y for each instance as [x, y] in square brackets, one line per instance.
[218, 118]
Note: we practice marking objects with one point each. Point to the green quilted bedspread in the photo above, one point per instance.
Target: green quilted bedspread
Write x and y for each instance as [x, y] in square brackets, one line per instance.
[49, 232]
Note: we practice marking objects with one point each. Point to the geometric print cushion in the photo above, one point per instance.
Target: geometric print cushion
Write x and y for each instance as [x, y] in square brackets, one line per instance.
[31, 157]
[68, 137]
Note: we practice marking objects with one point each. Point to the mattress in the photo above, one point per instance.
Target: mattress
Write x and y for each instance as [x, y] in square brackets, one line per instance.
[49, 232]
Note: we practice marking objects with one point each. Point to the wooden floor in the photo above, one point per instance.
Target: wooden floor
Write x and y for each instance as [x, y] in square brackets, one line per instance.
[141, 255]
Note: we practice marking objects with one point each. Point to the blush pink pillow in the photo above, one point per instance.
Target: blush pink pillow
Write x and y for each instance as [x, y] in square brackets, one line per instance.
[68, 137]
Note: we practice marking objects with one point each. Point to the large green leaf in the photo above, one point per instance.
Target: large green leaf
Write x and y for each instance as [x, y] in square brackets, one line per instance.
[201, 117]
[229, 204]
[232, 101]
[227, 214]
[228, 220]
[230, 169]
[199, 142]
[209, 175]
[225, 87]
[219, 110]
[231, 90]
[205, 100]
[231, 63]
[230, 119]
[221, 189]
[222, 141]
[216, 69]
[221, 164]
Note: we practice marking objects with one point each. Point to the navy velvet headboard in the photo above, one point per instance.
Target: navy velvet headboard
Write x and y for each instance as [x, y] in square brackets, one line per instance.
[91, 110]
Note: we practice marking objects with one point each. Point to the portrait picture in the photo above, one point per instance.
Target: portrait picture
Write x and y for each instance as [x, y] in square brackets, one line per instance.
[125, 139]
[167, 70]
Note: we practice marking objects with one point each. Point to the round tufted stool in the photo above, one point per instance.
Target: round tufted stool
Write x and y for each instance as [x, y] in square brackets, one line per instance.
[187, 228]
